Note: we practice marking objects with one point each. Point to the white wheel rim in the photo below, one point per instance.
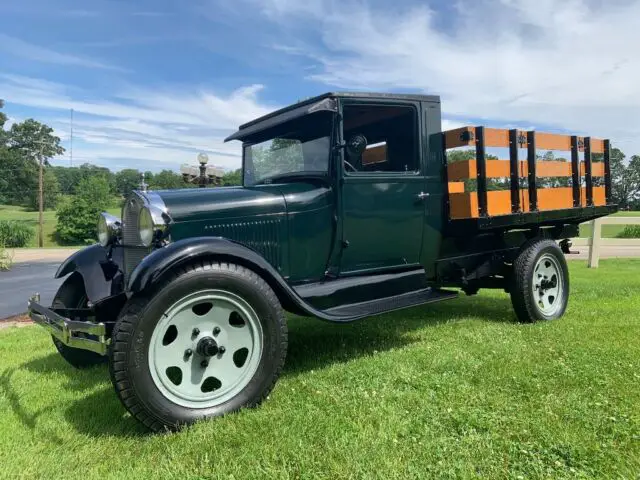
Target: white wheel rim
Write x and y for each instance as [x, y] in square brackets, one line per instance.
[547, 285]
[205, 380]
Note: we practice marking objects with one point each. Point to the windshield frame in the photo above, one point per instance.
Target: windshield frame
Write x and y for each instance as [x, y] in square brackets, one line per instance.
[294, 175]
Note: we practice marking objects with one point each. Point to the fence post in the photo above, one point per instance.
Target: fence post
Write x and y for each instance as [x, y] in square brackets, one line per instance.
[594, 244]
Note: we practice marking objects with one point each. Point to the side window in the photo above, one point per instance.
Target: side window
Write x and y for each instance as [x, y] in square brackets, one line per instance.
[391, 133]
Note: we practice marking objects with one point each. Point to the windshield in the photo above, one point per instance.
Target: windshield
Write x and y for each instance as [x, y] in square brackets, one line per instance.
[303, 149]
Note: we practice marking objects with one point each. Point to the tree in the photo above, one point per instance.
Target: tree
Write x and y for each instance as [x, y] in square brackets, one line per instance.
[78, 216]
[232, 178]
[167, 180]
[51, 192]
[127, 180]
[36, 140]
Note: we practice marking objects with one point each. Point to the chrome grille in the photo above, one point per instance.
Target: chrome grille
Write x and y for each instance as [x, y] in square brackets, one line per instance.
[134, 251]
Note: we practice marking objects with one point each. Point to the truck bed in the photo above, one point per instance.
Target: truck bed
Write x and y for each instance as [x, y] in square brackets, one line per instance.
[547, 180]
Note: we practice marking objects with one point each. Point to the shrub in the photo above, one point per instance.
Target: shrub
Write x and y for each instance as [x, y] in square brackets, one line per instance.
[15, 234]
[6, 259]
[78, 216]
[630, 231]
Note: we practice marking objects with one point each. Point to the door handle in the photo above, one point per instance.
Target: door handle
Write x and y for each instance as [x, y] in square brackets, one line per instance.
[423, 195]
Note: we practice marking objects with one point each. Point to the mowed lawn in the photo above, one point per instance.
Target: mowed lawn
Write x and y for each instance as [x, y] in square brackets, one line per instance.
[454, 390]
[23, 214]
[608, 231]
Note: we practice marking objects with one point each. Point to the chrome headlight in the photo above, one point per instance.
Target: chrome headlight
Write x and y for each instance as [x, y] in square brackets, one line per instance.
[109, 229]
[152, 225]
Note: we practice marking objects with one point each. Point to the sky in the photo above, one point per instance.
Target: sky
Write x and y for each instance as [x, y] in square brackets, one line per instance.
[153, 83]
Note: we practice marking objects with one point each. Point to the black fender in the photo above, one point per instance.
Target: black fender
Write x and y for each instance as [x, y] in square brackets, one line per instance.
[161, 261]
[99, 268]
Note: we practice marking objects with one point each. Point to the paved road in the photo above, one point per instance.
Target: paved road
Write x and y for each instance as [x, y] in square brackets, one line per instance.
[23, 280]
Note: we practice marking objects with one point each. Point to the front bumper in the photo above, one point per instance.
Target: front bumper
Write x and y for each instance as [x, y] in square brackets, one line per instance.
[72, 333]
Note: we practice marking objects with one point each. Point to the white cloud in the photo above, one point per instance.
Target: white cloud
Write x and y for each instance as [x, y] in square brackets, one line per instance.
[141, 128]
[24, 50]
[568, 65]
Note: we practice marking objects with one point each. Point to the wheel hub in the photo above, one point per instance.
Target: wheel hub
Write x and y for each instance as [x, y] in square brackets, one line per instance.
[207, 347]
[547, 285]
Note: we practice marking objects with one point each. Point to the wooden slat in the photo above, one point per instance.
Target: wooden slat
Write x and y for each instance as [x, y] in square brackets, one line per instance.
[555, 198]
[599, 197]
[553, 169]
[597, 169]
[454, 138]
[462, 170]
[495, 137]
[456, 187]
[463, 205]
[597, 146]
[552, 141]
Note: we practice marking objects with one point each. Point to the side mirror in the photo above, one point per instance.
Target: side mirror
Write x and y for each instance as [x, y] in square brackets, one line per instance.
[356, 145]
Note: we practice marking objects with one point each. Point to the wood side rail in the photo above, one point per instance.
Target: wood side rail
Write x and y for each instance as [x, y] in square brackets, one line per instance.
[487, 201]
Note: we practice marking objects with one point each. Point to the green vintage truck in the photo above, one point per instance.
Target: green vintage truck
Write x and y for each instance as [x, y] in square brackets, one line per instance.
[352, 205]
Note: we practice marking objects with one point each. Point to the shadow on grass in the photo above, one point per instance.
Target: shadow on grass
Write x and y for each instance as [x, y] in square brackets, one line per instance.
[313, 345]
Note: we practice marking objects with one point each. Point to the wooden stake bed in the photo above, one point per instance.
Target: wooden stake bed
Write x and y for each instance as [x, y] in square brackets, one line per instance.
[522, 189]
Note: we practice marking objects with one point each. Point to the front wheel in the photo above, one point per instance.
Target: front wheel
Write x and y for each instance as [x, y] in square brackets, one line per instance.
[540, 288]
[211, 340]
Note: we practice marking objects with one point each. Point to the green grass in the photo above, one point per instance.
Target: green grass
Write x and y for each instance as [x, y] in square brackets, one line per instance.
[608, 231]
[453, 390]
[10, 212]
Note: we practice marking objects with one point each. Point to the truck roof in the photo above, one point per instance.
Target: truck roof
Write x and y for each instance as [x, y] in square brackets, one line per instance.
[363, 95]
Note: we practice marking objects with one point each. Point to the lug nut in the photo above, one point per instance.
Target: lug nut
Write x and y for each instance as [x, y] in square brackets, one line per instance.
[216, 330]
[204, 363]
[188, 352]
[221, 350]
[195, 332]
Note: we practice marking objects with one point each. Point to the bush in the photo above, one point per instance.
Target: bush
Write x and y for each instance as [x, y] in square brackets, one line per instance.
[6, 259]
[15, 234]
[630, 231]
[78, 216]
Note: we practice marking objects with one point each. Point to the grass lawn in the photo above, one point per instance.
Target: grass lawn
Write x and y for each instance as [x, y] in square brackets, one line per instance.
[453, 390]
[10, 212]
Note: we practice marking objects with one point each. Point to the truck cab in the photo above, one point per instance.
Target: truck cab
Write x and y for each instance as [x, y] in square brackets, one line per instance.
[352, 205]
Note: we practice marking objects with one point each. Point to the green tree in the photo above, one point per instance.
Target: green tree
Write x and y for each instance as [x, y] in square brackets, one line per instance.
[127, 180]
[51, 192]
[167, 180]
[78, 216]
[232, 178]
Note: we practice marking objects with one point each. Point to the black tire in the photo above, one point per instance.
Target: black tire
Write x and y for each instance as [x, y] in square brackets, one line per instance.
[129, 354]
[524, 300]
[71, 294]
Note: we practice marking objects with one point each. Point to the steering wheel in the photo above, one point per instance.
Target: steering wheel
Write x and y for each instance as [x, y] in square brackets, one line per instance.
[351, 167]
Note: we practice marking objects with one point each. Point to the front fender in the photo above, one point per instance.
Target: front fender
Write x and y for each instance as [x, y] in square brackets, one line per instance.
[99, 270]
[160, 262]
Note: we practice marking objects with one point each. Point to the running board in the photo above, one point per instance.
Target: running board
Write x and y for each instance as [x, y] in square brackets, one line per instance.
[389, 304]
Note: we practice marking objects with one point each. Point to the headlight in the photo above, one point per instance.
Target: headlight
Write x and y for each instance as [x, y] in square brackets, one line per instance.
[108, 229]
[146, 227]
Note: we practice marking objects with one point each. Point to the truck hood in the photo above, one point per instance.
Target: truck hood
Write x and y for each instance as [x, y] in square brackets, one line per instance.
[223, 203]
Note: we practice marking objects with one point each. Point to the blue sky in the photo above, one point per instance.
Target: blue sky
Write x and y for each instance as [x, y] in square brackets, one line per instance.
[152, 83]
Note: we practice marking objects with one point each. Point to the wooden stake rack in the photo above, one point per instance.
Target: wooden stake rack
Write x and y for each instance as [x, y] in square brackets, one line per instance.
[519, 199]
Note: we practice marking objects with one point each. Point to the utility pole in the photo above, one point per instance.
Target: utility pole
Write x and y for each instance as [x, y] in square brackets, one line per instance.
[71, 142]
[41, 199]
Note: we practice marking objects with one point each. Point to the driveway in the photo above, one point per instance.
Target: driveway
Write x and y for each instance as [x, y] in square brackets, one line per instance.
[23, 280]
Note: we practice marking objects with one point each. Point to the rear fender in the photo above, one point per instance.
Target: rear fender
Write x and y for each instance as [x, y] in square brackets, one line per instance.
[159, 263]
[99, 268]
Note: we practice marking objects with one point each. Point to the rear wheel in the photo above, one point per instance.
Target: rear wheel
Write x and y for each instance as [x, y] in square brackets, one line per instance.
[71, 294]
[211, 340]
[540, 289]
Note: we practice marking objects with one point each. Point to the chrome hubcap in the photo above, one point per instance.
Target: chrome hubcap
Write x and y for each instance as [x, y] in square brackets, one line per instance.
[205, 349]
[547, 285]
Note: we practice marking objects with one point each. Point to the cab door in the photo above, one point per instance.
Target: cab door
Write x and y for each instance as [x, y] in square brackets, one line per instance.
[383, 188]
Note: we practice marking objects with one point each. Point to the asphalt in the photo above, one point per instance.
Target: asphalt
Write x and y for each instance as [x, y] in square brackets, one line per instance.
[23, 280]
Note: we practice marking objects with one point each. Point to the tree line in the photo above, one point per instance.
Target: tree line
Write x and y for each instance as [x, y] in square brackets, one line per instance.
[24, 144]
